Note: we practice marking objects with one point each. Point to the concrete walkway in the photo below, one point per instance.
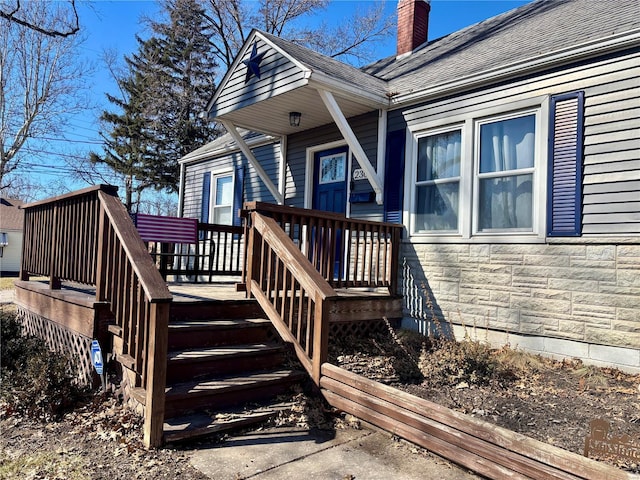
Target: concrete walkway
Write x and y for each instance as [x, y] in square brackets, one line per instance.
[294, 454]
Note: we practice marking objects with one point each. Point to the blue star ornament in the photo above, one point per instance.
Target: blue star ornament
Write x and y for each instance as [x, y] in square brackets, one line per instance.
[253, 64]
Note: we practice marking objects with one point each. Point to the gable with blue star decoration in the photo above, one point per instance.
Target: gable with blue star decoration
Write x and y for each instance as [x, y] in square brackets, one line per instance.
[253, 63]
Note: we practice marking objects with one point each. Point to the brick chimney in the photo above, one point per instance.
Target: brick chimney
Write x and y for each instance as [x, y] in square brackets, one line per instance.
[413, 24]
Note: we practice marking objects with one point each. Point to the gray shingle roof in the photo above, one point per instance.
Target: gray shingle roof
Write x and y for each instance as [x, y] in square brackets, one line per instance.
[538, 28]
[535, 29]
[224, 142]
[11, 215]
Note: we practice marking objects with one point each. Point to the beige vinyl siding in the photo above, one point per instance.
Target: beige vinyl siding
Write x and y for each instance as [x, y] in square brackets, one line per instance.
[278, 75]
[612, 173]
[10, 260]
[254, 188]
[612, 131]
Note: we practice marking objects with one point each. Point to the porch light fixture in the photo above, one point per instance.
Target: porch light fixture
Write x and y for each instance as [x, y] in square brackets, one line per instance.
[294, 119]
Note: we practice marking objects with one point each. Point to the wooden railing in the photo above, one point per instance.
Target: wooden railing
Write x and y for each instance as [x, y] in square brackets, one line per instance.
[347, 252]
[218, 252]
[89, 238]
[293, 294]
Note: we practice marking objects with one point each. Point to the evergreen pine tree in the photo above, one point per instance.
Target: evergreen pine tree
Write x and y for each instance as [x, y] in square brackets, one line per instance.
[169, 82]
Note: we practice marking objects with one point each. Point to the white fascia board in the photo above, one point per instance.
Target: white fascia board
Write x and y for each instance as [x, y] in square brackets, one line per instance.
[564, 56]
[325, 82]
[226, 149]
[352, 141]
[181, 190]
[295, 61]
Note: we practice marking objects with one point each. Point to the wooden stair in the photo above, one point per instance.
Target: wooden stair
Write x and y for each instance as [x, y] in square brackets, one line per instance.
[223, 374]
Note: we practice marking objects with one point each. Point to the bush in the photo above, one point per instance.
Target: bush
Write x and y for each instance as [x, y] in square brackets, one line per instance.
[449, 362]
[33, 380]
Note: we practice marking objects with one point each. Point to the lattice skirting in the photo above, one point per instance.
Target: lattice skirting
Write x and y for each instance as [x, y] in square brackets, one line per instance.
[360, 329]
[60, 339]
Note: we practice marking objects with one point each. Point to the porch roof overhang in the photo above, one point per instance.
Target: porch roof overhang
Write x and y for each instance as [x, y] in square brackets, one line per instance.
[287, 78]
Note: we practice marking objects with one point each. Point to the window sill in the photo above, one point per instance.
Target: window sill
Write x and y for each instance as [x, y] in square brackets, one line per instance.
[479, 239]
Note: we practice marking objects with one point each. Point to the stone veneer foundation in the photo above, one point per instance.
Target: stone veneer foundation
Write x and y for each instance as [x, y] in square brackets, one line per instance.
[561, 300]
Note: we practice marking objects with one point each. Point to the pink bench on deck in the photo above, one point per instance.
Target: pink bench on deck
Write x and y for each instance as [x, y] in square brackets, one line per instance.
[156, 228]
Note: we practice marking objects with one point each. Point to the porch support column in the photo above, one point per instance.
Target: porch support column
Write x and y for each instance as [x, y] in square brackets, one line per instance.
[352, 141]
[231, 128]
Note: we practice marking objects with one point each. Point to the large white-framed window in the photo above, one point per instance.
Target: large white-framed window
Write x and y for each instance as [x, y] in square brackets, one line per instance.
[478, 175]
[504, 167]
[222, 198]
[437, 181]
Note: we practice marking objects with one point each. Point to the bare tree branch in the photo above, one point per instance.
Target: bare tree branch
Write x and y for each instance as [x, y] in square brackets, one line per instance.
[355, 38]
[69, 30]
[352, 40]
[40, 81]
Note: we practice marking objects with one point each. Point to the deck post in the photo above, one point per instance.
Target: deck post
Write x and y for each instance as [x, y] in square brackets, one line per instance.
[245, 254]
[103, 255]
[254, 257]
[320, 337]
[395, 261]
[156, 374]
[54, 280]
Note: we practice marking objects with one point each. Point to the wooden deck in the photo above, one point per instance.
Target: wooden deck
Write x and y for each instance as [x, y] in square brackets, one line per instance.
[181, 291]
[227, 290]
[296, 265]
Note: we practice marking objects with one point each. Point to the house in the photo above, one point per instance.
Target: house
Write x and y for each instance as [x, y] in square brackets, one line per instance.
[509, 150]
[11, 220]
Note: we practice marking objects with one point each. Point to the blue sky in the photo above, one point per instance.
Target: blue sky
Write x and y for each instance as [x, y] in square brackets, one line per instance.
[113, 24]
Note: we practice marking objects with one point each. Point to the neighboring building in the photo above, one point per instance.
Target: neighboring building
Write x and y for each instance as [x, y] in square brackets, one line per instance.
[510, 150]
[11, 225]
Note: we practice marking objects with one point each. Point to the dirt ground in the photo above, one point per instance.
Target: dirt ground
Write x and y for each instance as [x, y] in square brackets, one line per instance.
[101, 441]
[551, 401]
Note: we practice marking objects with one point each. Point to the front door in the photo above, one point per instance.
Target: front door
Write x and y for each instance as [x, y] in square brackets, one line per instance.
[330, 180]
[330, 194]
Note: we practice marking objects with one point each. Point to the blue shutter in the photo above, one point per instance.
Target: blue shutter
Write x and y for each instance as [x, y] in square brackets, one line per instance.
[394, 176]
[564, 207]
[238, 194]
[206, 197]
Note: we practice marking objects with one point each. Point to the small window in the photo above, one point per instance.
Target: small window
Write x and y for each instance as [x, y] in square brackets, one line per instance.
[222, 199]
[332, 168]
[505, 178]
[438, 182]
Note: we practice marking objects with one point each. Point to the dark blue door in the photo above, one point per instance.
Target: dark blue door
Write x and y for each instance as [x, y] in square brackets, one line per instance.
[330, 194]
[330, 180]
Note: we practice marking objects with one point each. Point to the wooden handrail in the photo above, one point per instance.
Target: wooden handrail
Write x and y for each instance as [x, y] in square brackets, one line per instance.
[110, 189]
[151, 282]
[284, 248]
[293, 294]
[88, 237]
[263, 207]
[347, 252]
